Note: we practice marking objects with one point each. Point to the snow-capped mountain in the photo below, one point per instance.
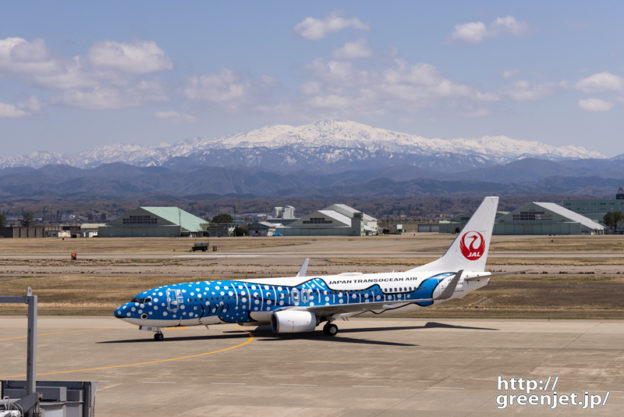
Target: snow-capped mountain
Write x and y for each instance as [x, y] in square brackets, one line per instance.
[324, 145]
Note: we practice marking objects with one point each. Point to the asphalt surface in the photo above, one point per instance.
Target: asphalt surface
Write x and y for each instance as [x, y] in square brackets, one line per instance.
[373, 367]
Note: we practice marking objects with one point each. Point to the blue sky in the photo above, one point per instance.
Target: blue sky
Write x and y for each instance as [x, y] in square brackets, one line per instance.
[77, 75]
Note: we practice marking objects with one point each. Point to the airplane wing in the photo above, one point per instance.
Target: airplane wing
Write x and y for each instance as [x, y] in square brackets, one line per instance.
[304, 268]
[333, 311]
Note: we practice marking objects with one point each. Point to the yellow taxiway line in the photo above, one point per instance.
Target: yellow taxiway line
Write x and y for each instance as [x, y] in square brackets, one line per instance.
[131, 365]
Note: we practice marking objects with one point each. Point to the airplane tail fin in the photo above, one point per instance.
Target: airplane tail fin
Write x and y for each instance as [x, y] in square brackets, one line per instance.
[469, 250]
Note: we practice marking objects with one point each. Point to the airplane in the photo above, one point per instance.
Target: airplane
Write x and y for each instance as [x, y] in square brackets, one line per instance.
[300, 303]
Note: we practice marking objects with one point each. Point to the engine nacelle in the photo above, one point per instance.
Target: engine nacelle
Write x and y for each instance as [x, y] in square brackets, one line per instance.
[293, 321]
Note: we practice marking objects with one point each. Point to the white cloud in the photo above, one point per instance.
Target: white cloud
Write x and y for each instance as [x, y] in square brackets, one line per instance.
[32, 104]
[333, 72]
[175, 116]
[138, 57]
[338, 85]
[71, 75]
[225, 86]
[524, 91]
[477, 32]
[113, 75]
[472, 32]
[352, 50]
[313, 29]
[11, 111]
[420, 81]
[108, 63]
[96, 99]
[595, 104]
[21, 109]
[22, 57]
[107, 98]
[509, 25]
[600, 82]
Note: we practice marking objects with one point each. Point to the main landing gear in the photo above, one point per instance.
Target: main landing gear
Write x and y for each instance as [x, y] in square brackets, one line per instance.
[159, 337]
[330, 329]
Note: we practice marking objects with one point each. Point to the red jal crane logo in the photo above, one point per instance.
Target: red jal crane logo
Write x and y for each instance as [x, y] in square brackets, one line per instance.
[472, 245]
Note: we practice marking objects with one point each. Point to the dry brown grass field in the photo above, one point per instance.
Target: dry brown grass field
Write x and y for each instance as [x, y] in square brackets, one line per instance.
[550, 276]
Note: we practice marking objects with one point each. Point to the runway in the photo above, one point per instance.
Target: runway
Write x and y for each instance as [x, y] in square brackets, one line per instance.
[374, 367]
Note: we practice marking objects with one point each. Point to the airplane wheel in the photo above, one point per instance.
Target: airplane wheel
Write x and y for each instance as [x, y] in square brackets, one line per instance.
[330, 329]
[159, 337]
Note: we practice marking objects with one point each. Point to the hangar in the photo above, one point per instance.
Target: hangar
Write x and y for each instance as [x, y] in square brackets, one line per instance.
[155, 222]
[531, 219]
[545, 219]
[335, 220]
[596, 208]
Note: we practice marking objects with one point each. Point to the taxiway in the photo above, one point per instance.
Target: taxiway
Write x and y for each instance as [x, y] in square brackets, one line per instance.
[374, 367]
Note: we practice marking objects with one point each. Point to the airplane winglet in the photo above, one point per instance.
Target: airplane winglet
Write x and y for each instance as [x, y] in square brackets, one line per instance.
[450, 289]
[304, 268]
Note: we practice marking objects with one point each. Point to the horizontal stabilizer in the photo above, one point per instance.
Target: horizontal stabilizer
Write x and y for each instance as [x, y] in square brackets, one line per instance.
[495, 274]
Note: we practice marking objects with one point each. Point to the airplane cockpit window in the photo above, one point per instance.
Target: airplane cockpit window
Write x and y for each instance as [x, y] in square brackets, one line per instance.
[141, 300]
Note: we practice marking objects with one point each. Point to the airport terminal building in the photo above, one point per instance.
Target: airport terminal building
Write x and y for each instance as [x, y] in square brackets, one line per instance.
[155, 222]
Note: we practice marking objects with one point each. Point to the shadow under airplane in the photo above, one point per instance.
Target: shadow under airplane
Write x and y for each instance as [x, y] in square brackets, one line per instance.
[265, 334]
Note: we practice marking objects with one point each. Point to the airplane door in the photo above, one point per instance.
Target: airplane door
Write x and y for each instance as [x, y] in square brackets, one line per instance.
[174, 299]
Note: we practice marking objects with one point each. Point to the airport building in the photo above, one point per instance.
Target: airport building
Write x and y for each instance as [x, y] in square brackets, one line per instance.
[283, 215]
[545, 219]
[262, 228]
[594, 208]
[531, 219]
[335, 220]
[155, 222]
[26, 232]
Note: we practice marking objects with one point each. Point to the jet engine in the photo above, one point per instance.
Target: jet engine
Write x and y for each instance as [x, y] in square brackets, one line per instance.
[293, 321]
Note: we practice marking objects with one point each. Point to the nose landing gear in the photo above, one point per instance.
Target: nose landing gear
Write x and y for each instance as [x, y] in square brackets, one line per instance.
[158, 336]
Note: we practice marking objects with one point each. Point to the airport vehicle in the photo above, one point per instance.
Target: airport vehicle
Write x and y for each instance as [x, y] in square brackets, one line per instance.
[202, 246]
[300, 303]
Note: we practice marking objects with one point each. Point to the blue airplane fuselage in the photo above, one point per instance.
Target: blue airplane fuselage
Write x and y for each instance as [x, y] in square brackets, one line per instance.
[207, 302]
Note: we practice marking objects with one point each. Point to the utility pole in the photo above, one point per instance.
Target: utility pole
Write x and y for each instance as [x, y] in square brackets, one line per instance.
[30, 401]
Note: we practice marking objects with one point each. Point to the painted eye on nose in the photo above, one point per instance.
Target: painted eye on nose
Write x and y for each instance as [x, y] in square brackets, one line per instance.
[143, 316]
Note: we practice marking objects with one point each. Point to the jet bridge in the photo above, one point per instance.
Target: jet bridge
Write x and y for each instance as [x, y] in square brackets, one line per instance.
[32, 398]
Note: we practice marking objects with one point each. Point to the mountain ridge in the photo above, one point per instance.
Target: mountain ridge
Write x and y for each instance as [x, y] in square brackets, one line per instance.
[121, 181]
[324, 143]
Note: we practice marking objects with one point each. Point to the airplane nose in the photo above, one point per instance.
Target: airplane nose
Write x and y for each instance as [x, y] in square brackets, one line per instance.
[119, 313]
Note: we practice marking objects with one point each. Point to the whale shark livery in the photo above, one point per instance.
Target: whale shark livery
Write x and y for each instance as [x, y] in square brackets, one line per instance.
[301, 303]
